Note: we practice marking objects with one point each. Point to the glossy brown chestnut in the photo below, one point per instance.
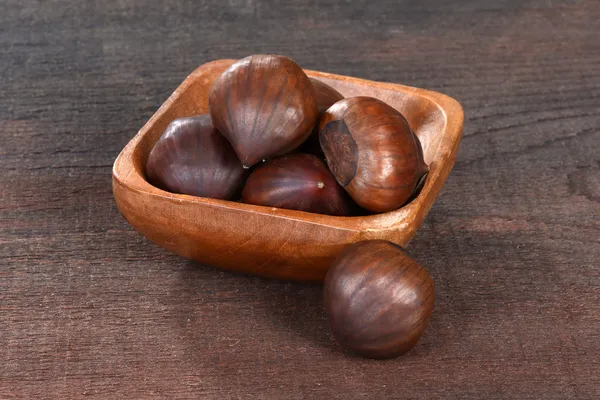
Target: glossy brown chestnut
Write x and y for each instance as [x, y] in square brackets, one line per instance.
[264, 105]
[326, 96]
[192, 157]
[372, 152]
[297, 182]
[378, 299]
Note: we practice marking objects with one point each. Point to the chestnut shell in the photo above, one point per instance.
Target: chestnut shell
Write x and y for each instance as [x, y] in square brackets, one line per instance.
[326, 96]
[264, 105]
[192, 157]
[297, 182]
[378, 299]
[372, 152]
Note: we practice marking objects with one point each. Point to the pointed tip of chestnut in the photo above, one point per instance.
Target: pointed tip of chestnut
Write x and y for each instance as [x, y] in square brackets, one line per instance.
[378, 299]
[297, 182]
[264, 105]
[191, 157]
[372, 151]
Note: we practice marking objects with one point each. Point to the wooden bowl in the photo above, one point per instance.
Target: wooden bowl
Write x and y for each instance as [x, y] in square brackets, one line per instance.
[267, 241]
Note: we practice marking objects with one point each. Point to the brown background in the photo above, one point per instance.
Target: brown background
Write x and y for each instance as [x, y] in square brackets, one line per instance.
[89, 307]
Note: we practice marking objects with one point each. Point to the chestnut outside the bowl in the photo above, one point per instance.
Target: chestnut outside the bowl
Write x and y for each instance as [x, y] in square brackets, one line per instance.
[267, 241]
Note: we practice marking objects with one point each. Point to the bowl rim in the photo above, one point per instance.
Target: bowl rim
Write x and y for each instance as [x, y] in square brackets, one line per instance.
[411, 215]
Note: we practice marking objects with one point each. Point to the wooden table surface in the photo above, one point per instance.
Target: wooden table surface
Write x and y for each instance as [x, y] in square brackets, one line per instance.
[88, 307]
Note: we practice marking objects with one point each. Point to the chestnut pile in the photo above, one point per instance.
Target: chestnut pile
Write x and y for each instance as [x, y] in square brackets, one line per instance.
[278, 138]
[275, 137]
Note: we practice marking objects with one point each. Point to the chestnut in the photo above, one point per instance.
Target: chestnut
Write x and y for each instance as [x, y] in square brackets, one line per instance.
[372, 152]
[297, 182]
[192, 157]
[378, 300]
[326, 96]
[264, 105]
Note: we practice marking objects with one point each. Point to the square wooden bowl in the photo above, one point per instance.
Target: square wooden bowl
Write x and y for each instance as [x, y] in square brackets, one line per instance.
[269, 241]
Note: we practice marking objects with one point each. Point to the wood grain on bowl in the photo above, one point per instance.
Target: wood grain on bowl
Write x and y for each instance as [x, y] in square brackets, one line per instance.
[275, 242]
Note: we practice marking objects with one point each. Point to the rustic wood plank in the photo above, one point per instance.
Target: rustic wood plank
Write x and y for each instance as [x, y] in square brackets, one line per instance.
[89, 307]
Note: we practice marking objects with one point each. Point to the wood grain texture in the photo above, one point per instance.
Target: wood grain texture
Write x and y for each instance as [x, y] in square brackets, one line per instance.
[278, 242]
[89, 308]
